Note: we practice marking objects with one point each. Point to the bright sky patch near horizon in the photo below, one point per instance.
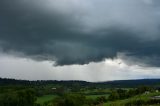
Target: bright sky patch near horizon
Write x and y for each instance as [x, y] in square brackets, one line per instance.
[92, 40]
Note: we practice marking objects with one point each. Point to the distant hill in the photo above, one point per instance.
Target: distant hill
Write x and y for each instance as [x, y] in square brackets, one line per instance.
[109, 84]
[133, 83]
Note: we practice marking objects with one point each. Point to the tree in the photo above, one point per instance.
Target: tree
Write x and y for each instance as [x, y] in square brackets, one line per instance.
[70, 100]
[113, 96]
[18, 98]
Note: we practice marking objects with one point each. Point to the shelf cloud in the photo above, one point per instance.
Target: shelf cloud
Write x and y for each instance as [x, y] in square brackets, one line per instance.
[81, 31]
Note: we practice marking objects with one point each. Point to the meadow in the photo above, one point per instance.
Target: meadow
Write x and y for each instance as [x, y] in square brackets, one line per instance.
[141, 97]
[45, 98]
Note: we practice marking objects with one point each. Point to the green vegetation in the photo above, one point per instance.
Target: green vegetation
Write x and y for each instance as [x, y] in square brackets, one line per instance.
[138, 100]
[75, 93]
[45, 98]
[96, 96]
[24, 97]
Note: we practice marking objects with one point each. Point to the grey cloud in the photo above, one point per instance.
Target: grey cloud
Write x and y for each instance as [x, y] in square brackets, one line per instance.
[71, 33]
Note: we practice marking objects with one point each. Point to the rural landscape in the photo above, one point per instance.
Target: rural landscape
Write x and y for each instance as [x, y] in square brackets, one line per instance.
[145, 92]
[79, 52]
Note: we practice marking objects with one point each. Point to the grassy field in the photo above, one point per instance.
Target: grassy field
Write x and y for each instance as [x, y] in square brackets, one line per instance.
[122, 102]
[45, 98]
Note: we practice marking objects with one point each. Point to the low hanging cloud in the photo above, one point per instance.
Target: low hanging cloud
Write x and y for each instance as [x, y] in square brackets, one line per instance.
[80, 31]
[106, 70]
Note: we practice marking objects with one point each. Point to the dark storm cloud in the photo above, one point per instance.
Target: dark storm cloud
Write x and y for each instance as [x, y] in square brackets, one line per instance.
[69, 33]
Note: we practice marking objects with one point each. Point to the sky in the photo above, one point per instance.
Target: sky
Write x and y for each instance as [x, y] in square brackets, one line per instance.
[91, 40]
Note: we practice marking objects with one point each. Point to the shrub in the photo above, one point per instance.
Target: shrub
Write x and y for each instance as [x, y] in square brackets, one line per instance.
[138, 102]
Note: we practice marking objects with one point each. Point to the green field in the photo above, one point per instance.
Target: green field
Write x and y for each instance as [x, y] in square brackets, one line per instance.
[144, 97]
[45, 98]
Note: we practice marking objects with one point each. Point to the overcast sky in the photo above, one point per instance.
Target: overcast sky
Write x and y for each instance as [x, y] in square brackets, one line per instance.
[92, 40]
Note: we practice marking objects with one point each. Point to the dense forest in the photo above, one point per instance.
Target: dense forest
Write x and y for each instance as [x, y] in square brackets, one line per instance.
[109, 84]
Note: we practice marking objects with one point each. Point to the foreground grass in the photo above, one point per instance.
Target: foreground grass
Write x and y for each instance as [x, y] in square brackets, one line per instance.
[45, 98]
[144, 97]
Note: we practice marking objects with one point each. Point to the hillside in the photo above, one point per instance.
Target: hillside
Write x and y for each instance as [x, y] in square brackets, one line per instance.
[109, 84]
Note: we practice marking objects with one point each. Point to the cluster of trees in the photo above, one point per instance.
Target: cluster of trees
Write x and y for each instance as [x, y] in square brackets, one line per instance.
[24, 97]
[118, 94]
[75, 99]
[142, 102]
